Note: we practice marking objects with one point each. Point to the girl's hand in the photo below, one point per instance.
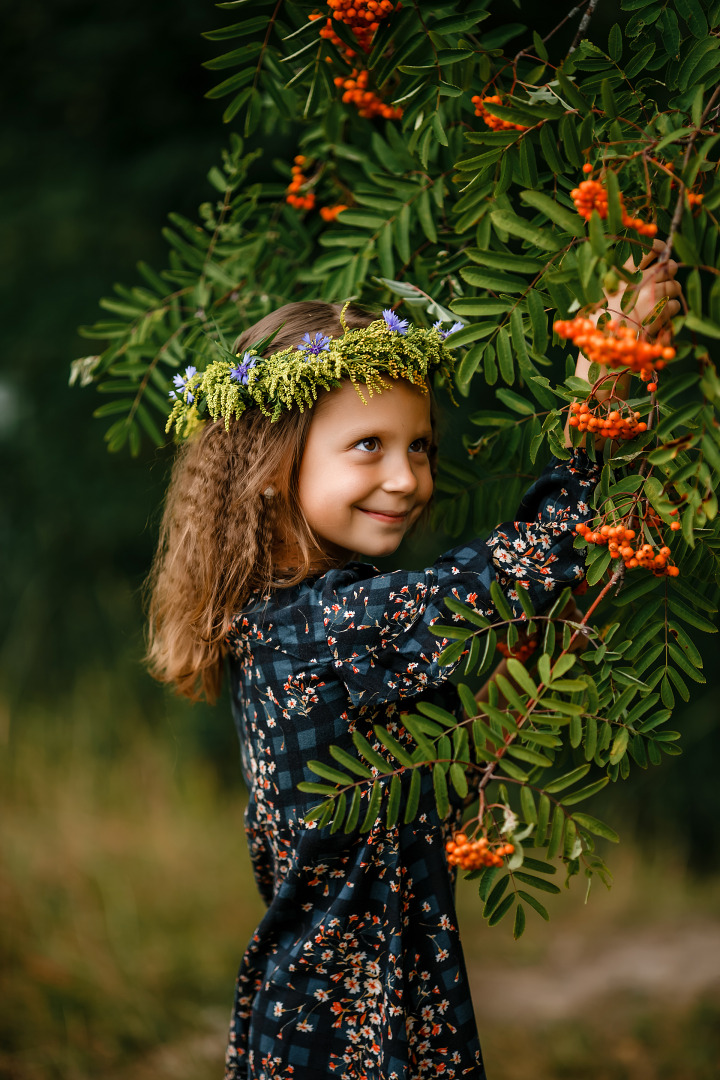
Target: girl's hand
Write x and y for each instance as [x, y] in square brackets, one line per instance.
[657, 283]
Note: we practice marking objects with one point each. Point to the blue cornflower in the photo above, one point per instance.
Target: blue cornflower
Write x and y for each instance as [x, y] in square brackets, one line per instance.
[444, 334]
[320, 343]
[181, 383]
[241, 372]
[394, 323]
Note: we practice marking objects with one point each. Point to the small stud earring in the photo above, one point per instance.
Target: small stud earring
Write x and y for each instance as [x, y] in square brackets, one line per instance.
[269, 492]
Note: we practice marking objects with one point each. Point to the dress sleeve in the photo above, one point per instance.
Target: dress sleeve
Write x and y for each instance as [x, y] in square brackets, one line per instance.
[378, 629]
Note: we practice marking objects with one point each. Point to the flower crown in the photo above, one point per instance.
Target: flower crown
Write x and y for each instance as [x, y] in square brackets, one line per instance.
[291, 377]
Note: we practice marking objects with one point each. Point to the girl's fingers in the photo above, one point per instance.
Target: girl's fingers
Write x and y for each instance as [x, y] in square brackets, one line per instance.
[666, 288]
[664, 272]
[649, 256]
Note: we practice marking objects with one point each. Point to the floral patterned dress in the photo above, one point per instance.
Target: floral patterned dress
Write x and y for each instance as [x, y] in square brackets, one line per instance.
[356, 971]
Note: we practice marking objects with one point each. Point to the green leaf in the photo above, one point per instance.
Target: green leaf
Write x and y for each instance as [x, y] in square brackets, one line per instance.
[519, 673]
[373, 807]
[539, 866]
[436, 713]
[411, 806]
[504, 355]
[537, 882]
[500, 601]
[543, 818]
[523, 753]
[393, 806]
[350, 762]
[527, 804]
[694, 16]
[597, 570]
[619, 745]
[567, 779]
[501, 910]
[515, 402]
[568, 220]
[320, 811]
[534, 903]
[517, 226]
[312, 788]
[370, 755]
[340, 804]
[354, 812]
[392, 745]
[702, 326]
[539, 322]
[586, 792]
[597, 827]
[640, 60]
[459, 779]
[329, 773]
[441, 792]
[689, 616]
[519, 925]
[451, 654]
[468, 613]
[556, 832]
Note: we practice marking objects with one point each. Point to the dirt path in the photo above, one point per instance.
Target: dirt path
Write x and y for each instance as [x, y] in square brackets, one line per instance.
[661, 963]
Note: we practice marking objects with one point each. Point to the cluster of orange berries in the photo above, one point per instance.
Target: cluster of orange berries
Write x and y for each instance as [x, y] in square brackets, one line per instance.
[362, 16]
[472, 854]
[365, 101]
[615, 346]
[618, 538]
[521, 651]
[306, 200]
[299, 179]
[694, 198]
[613, 426]
[591, 195]
[493, 122]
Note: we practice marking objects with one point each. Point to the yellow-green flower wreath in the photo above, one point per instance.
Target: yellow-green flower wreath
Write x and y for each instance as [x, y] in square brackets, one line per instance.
[291, 378]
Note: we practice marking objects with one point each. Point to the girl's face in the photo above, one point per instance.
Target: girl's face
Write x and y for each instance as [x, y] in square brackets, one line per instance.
[365, 474]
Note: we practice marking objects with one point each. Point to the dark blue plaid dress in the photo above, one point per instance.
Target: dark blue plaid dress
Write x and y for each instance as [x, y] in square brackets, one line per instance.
[356, 971]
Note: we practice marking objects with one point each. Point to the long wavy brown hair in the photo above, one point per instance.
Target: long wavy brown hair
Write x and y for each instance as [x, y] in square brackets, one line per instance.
[219, 531]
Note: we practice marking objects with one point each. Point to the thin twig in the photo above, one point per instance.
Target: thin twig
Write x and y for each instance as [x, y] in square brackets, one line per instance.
[584, 23]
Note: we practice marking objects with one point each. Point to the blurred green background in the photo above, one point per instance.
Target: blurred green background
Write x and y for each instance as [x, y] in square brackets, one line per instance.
[126, 898]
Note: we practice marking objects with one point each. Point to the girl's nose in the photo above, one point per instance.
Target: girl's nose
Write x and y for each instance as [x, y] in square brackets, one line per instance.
[399, 476]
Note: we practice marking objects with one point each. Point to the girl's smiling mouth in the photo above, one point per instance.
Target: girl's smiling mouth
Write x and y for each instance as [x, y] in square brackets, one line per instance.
[390, 516]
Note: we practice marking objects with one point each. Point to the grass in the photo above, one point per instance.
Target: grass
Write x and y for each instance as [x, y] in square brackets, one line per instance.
[127, 900]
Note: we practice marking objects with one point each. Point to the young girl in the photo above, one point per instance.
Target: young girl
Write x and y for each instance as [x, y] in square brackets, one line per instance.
[356, 970]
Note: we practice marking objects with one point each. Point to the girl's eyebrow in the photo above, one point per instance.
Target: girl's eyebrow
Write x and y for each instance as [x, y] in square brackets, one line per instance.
[378, 433]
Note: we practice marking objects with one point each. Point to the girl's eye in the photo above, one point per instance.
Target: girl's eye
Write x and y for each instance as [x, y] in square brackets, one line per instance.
[419, 446]
[369, 445]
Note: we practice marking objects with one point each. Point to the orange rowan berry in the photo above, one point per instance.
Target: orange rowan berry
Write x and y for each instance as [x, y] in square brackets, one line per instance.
[493, 122]
[675, 525]
[587, 167]
[329, 213]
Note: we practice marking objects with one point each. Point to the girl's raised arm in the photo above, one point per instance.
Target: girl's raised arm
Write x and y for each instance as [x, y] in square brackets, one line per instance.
[376, 630]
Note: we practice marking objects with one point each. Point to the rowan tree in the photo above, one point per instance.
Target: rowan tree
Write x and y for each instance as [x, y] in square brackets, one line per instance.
[492, 177]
